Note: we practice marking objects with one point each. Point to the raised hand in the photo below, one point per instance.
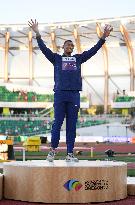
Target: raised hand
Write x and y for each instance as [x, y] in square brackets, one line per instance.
[107, 30]
[34, 25]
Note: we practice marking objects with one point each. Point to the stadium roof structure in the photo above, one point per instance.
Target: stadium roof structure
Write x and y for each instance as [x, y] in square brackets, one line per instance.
[111, 69]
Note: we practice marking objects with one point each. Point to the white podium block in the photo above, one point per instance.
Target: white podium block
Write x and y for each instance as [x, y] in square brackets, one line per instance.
[65, 182]
[131, 185]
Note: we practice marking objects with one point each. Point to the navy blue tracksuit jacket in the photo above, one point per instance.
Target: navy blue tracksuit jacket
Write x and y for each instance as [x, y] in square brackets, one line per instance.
[67, 84]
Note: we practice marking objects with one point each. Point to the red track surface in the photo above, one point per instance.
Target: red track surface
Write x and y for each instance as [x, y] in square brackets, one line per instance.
[123, 148]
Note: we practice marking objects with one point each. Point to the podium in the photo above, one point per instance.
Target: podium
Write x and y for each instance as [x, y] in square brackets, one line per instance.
[65, 182]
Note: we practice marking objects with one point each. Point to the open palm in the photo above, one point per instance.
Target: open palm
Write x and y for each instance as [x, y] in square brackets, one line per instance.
[34, 25]
[107, 30]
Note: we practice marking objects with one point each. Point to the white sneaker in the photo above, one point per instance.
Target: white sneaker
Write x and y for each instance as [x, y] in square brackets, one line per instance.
[71, 158]
[51, 155]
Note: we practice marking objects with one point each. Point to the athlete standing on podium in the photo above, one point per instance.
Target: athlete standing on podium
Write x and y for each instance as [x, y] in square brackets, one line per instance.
[68, 83]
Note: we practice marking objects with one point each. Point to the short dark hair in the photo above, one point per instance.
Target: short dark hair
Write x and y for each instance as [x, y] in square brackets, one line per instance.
[68, 41]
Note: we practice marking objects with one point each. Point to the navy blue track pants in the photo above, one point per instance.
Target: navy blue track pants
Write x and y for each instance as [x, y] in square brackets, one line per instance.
[66, 104]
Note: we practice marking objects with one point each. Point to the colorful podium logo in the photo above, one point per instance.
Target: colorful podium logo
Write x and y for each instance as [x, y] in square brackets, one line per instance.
[73, 184]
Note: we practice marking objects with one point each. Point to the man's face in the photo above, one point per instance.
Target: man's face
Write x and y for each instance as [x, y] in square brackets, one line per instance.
[68, 47]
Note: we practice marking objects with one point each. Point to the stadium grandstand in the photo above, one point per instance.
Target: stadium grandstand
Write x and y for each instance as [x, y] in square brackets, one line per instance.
[111, 70]
[26, 76]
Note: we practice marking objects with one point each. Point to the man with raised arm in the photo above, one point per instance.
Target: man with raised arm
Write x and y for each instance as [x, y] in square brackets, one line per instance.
[67, 84]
